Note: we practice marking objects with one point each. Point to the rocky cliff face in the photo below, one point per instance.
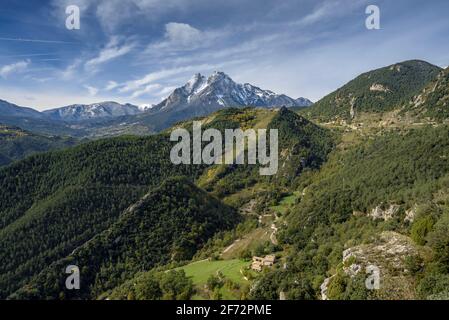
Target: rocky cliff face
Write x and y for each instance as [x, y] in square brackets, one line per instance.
[387, 256]
[388, 212]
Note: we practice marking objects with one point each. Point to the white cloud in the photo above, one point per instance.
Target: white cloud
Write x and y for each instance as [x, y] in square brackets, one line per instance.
[320, 12]
[17, 67]
[114, 14]
[35, 40]
[111, 86]
[61, 5]
[153, 90]
[327, 9]
[159, 75]
[92, 90]
[166, 91]
[148, 89]
[160, 4]
[182, 36]
[69, 72]
[112, 51]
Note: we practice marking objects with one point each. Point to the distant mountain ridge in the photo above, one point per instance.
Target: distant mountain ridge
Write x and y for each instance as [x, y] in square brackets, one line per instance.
[377, 91]
[200, 96]
[101, 110]
[32, 120]
[11, 110]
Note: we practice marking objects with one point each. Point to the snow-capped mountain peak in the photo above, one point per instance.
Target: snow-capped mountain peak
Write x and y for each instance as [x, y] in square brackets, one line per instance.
[201, 96]
[218, 76]
[196, 84]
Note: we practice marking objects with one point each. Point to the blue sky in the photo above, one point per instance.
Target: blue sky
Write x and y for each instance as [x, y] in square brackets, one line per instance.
[137, 51]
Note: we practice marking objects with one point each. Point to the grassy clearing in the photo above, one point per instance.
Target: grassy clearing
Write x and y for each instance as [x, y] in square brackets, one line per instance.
[249, 242]
[286, 203]
[200, 271]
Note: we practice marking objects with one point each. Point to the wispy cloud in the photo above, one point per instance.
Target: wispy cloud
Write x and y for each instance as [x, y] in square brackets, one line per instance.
[148, 89]
[112, 51]
[37, 40]
[321, 11]
[17, 67]
[297, 47]
[180, 37]
[166, 91]
[25, 55]
[70, 71]
[326, 9]
[159, 75]
[113, 15]
[92, 90]
[111, 86]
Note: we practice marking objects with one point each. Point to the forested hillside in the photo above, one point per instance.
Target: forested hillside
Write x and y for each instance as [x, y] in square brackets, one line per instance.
[52, 203]
[302, 146]
[380, 200]
[167, 224]
[56, 202]
[377, 91]
[397, 181]
[16, 144]
[433, 101]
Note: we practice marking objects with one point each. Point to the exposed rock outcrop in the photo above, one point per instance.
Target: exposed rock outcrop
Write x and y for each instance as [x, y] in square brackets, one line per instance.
[387, 254]
[352, 110]
[410, 215]
[324, 287]
[379, 87]
[378, 213]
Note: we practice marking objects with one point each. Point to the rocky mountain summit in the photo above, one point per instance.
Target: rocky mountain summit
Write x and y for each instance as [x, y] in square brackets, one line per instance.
[201, 94]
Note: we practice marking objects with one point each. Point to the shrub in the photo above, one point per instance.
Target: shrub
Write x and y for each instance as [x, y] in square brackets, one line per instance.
[420, 228]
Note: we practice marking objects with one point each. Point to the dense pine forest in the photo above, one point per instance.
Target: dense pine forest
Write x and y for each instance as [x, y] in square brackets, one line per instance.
[167, 224]
[16, 144]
